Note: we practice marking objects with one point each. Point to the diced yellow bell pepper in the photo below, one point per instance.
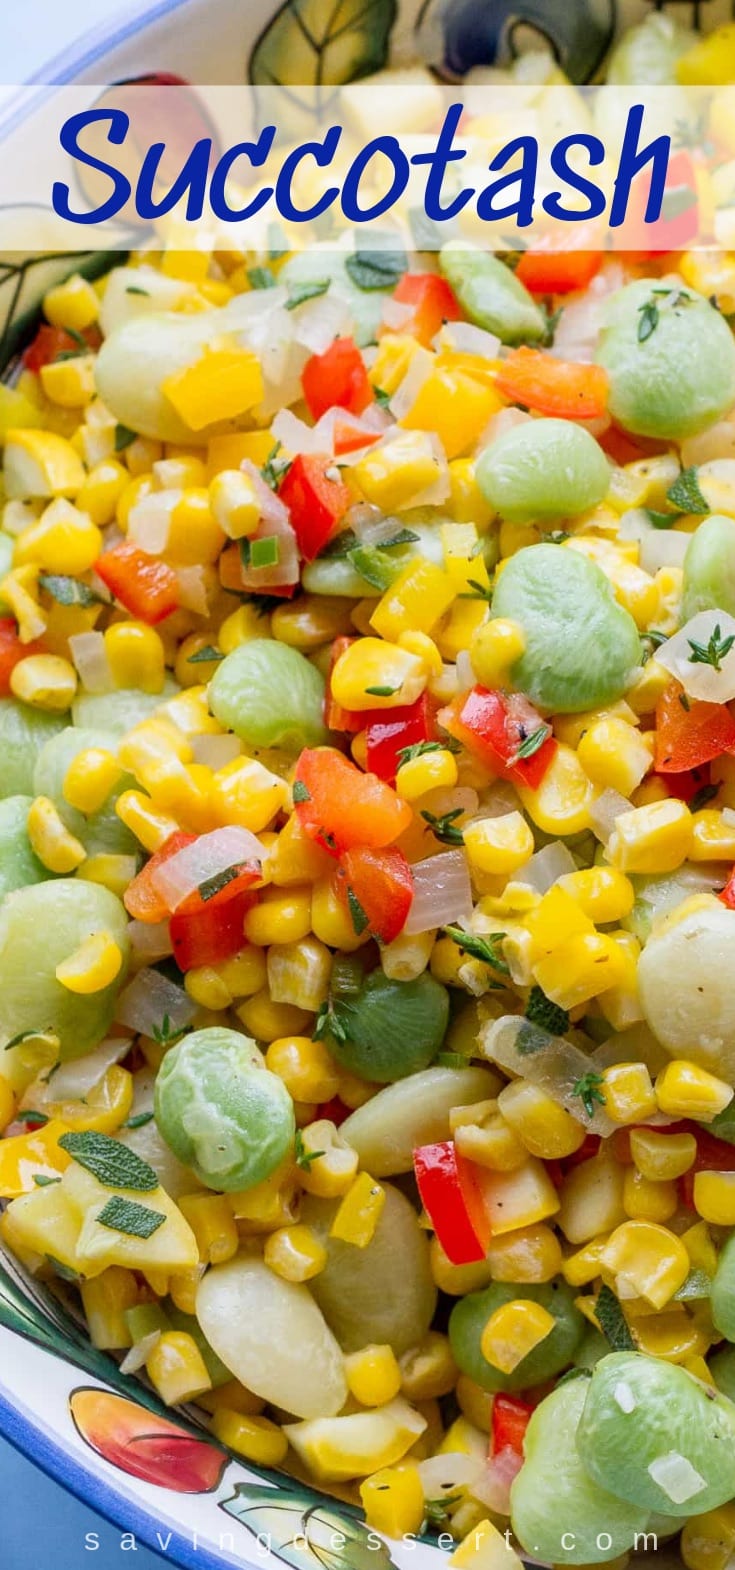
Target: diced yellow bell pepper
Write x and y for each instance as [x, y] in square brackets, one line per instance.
[359, 1212]
[103, 1109]
[415, 602]
[711, 61]
[221, 385]
[40, 463]
[26, 1157]
[393, 1500]
[455, 406]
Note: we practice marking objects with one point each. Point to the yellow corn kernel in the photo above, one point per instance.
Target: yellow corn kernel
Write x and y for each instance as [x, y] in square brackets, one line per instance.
[281, 916]
[555, 918]
[490, 1141]
[266, 1020]
[134, 492]
[498, 845]
[69, 383]
[654, 838]
[294, 858]
[649, 1258]
[73, 304]
[645, 1200]
[211, 1220]
[545, 1128]
[466, 501]
[584, 1266]
[295, 1253]
[661, 1156]
[45, 681]
[234, 503]
[64, 540]
[105, 1300]
[602, 893]
[330, 1173]
[194, 535]
[531, 1254]
[591, 1199]
[393, 1500]
[244, 974]
[145, 821]
[135, 655]
[714, 1197]
[371, 674]
[359, 1212]
[570, 728]
[176, 1368]
[331, 920]
[190, 669]
[621, 1004]
[221, 385]
[243, 624]
[407, 957]
[59, 850]
[495, 647]
[112, 872]
[298, 973]
[395, 474]
[90, 777]
[415, 602]
[615, 755]
[7, 1105]
[698, 1243]
[373, 1375]
[429, 771]
[628, 1093]
[269, 1204]
[580, 968]
[456, 1280]
[234, 1396]
[101, 491]
[708, 1541]
[305, 1066]
[428, 1370]
[672, 1335]
[206, 987]
[245, 792]
[684, 1090]
[18, 592]
[513, 1331]
[255, 1438]
[561, 803]
[40, 463]
[92, 966]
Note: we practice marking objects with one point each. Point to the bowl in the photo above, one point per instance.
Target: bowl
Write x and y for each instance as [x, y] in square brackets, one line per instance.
[105, 1436]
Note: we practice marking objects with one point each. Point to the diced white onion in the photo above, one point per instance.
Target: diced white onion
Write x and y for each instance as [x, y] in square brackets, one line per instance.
[498, 424]
[701, 680]
[396, 313]
[192, 589]
[441, 892]
[215, 751]
[492, 1487]
[408, 390]
[555, 1064]
[139, 1353]
[497, 801]
[206, 857]
[663, 548]
[90, 658]
[676, 1477]
[149, 520]
[728, 817]
[320, 320]
[272, 509]
[623, 1397]
[73, 1081]
[150, 940]
[545, 868]
[273, 524]
[578, 329]
[149, 999]
[441, 1475]
[465, 338]
[605, 811]
[295, 435]
[466, 677]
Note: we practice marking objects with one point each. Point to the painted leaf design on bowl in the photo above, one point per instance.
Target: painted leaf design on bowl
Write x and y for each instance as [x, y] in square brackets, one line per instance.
[146, 1446]
[578, 34]
[24, 280]
[303, 1530]
[308, 42]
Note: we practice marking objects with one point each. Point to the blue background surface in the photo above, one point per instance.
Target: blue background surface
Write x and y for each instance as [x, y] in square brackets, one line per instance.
[43, 1528]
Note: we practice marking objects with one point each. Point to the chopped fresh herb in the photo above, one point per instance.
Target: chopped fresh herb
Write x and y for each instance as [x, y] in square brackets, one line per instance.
[134, 288]
[165, 1034]
[126, 1215]
[436, 1510]
[69, 354]
[401, 537]
[445, 827]
[328, 838]
[274, 468]
[64, 1272]
[551, 321]
[373, 565]
[30, 1115]
[382, 398]
[427, 235]
[66, 590]
[111, 1163]
[42, 1181]
[685, 493]
[79, 339]
[261, 278]
[697, 1285]
[588, 1090]
[477, 591]
[483, 948]
[300, 791]
[417, 750]
[656, 638]
[265, 552]
[299, 292]
[360, 918]
[329, 1022]
[533, 742]
[684, 701]
[557, 536]
[382, 692]
[661, 520]
[123, 437]
[303, 1156]
[376, 269]
[219, 881]
[26, 1035]
[263, 604]
[712, 653]
[205, 655]
[450, 1060]
[703, 797]
[541, 1011]
[647, 319]
[339, 546]
[139, 1120]
[612, 1321]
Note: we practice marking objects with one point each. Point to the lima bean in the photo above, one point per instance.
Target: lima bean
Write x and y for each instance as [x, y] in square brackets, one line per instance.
[542, 471]
[117, 712]
[470, 1315]
[221, 1111]
[490, 294]
[722, 1301]
[23, 731]
[722, 1368]
[415, 1111]
[270, 696]
[679, 378]
[18, 864]
[582, 648]
[709, 568]
[391, 1029]
[673, 1419]
[686, 993]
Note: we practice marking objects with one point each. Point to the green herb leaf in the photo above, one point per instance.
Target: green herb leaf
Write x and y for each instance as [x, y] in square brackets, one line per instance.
[697, 1285]
[123, 437]
[662, 520]
[549, 1016]
[685, 493]
[703, 797]
[42, 1181]
[612, 1322]
[588, 1090]
[373, 564]
[219, 881]
[382, 692]
[300, 791]
[139, 1120]
[684, 701]
[401, 537]
[656, 638]
[265, 552]
[126, 1215]
[478, 591]
[110, 1162]
[382, 398]
[26, 1035]
[205, 655]
[451, 1060]
[436, 1511]
[277, 241]
[483, 948]
[445, 827]
[261, 278]
[299, 292]
[303, 1156]
[360, 918]
[648, 320]
[329, 1022]
[273, 471]
[165, 1034]
[712, 653]
[418, 750]
[376, 269]
[533, 742]
[135, 288]
[68, 591]
[30, 1115]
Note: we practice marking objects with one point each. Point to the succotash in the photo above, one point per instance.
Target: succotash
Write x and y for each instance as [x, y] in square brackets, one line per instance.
[367, 931]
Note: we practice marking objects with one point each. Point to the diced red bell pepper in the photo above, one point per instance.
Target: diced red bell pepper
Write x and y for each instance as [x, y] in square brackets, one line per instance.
[554, 387]
[211, 934]
[334, 1111]
[377, 889]
[348, 436]
[248, 875]
[145, 585]
[50, 342]
[316, 501]
[509, 1420]
[451, 1194]
[340, 807]
[494, 725]
[679, 220]
[624, 448]
[389, 730]
[547, 269]
[141, 898]
[433, 304]
[686, 785]
[691, 733]
[337, 376]
[589, 1147]
[12, 651]
[335, 717]
[727, 895]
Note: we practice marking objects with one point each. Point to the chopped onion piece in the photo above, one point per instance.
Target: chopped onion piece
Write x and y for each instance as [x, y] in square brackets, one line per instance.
[149, 999]
[207, 857]
[90, 658]
[676, 1477]
[663, 548]
[728, 817]
[441, 892]
[465, 338]
[623, 1397]
[498, 800]
[466, 677]
[605, 812]
[551, 1062]
[139, 1352]
[73, 1081]
[215, 751]
[272, 509]
[149, 520]
[699, 679]
[318, 321]
[150, 940]
[396, 313]
[492, 1487]
[441, 1475]
[498, 424]
[546, 867]
[408, 390]
[295, 434]
[192, 589]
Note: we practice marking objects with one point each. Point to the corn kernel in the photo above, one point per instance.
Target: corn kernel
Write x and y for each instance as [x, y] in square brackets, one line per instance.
[103, 486]
[393, 1500]
[653, 838]
[211, 1220]
[298, 973]
[40, 464]
[243, 974]
[713, 839]
[45, 681]
[645, 1200]
[560, 805]
[628, 1093]
[661, 1156]
[708, 1540]
[430, 771]
[714, 1197]
[89, 779]
[234, 1396]
[491, 1142]
[194, 535]
[513, 1331]
[498, 845]
[104, 1301]
[580, 968]
[64, 540]
[59, 850]
[649, 1258]
[359, 1212]
[255, 1438]
[373, 1375]
[73, 304]
[395, 474]
[615, 756]
[554, 919]
[135, 655]
[584, 1266]
[266, 1020]
[456, 1280]
[495, 647]
[372, 674]
[531, 1254]
[144, 820]
[602, 893]
[331, 1164]
[69, 383]
[281, 916]
[206, 988]
[234, 503]
[7, 1105]
[684, 1090]
[331, 921]
[407, 957]
[428, 1370]
[92, 966]
[295, 1253]
[545, 1128]
[672, 1335]
[176, 1368]
[245, 792]
[305, 1066]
